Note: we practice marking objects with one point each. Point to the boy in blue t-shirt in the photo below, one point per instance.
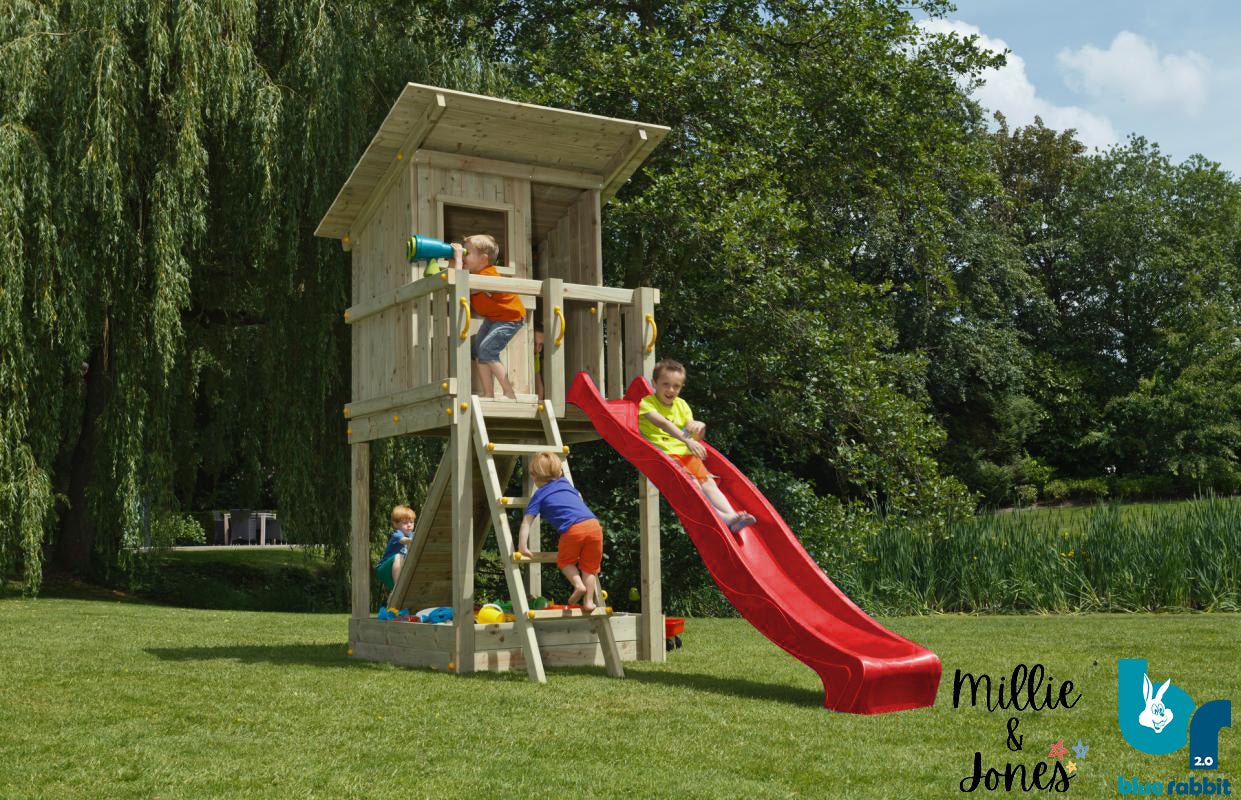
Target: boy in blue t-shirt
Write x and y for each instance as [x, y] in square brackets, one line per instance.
[579, 551]
[389, 569]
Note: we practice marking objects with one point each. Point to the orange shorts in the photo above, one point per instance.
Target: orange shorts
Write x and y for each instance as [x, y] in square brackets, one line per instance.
[581, 544]
[693, 465]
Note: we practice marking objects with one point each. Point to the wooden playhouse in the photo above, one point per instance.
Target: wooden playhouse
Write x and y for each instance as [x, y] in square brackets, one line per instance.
[448, 164]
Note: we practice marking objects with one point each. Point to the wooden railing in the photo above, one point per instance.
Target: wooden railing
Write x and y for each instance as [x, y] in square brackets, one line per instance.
[403, 385]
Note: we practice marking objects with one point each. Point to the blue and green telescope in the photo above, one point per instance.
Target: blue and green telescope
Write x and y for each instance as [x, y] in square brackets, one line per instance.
[424, 248]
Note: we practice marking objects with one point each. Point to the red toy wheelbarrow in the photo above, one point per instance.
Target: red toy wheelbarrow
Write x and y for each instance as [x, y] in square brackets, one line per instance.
[673, 628]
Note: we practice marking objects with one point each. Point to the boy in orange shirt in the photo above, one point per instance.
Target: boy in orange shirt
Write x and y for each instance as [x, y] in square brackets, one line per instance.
[502, 313]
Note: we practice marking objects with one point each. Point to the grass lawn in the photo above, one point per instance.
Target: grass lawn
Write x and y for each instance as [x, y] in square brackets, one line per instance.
[243, 578]
[306, 558]
[122, 700]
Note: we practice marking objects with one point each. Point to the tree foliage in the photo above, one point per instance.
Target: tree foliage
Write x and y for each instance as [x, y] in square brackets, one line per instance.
[798, 199]
[170, 328]
[882, 302]
[1138, 258]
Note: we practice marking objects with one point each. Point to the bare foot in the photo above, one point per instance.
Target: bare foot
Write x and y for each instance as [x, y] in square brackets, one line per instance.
[740, 520]
[588, 606]
[575, 597]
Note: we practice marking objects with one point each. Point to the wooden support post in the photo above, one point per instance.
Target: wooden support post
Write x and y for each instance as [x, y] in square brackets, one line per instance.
[651, 632]
[535, 582]
[615, 354]
[639, 337]
[554, 320]
[595, 356]
[360, 522]
[423, 355]
[443, 347]
[589, 269]
[463, 553]
[459, 345]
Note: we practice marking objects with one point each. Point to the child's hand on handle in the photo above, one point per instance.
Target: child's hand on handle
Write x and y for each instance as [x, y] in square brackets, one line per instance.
[525, 551]
[696, 429]
[457, 252]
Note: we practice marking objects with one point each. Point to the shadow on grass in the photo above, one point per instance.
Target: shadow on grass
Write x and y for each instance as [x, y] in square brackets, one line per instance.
[730, 687]
[333, 655]
[317, 655]
[58, 587]
[698, 681]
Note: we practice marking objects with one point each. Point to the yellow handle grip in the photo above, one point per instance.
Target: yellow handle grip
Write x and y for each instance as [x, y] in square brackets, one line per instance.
[650, 346]
[560, 316]
[465, 329]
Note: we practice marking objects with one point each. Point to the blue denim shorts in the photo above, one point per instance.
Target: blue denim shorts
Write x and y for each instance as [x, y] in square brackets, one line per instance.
[492, 338]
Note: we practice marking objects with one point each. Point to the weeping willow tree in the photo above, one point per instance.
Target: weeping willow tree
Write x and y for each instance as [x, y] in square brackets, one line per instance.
[169, 328]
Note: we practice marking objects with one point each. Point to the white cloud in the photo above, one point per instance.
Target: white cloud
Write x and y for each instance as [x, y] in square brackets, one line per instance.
[1009, 91]
[1132, 69]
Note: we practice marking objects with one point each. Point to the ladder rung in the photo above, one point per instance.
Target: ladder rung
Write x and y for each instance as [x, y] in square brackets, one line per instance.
[514, 502]
[524, 449]
[539, 558]
[568, 613]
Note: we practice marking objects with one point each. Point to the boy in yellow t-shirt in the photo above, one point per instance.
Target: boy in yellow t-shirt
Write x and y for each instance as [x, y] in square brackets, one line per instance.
[502, 313]
[666, 420]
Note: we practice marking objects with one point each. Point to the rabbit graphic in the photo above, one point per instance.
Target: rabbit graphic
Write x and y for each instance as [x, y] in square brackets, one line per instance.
[1156, 715]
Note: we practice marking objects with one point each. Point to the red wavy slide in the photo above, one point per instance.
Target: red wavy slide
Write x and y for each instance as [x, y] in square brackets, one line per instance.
[769, 577]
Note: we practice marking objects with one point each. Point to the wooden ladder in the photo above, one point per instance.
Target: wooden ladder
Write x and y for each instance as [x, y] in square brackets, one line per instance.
[512, 561]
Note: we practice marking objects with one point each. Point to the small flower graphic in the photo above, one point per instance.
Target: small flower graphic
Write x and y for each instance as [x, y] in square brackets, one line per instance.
[1080, 749]
[1058, 750]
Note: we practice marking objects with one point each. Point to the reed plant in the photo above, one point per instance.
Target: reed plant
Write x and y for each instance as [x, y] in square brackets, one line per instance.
[1172, 557]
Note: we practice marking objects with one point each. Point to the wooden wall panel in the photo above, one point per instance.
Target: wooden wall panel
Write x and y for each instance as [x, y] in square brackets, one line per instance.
[383, 344]
[572, 251]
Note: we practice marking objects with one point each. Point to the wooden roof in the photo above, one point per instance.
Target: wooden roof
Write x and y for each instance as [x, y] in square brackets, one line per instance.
[557, 147]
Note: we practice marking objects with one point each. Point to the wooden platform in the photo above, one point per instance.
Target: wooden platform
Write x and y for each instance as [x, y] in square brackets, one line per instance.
[565, 643]
[432, 415]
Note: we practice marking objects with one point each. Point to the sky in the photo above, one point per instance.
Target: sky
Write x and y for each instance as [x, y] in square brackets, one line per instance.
[1169, 71]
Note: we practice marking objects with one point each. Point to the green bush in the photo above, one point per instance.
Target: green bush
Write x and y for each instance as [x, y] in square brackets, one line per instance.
[1030, 471]
[1224, 478]
[994, 483]
[1026, 495]
[171, 529]
[1090, 490]
[1146, 487]
[1056, 491]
